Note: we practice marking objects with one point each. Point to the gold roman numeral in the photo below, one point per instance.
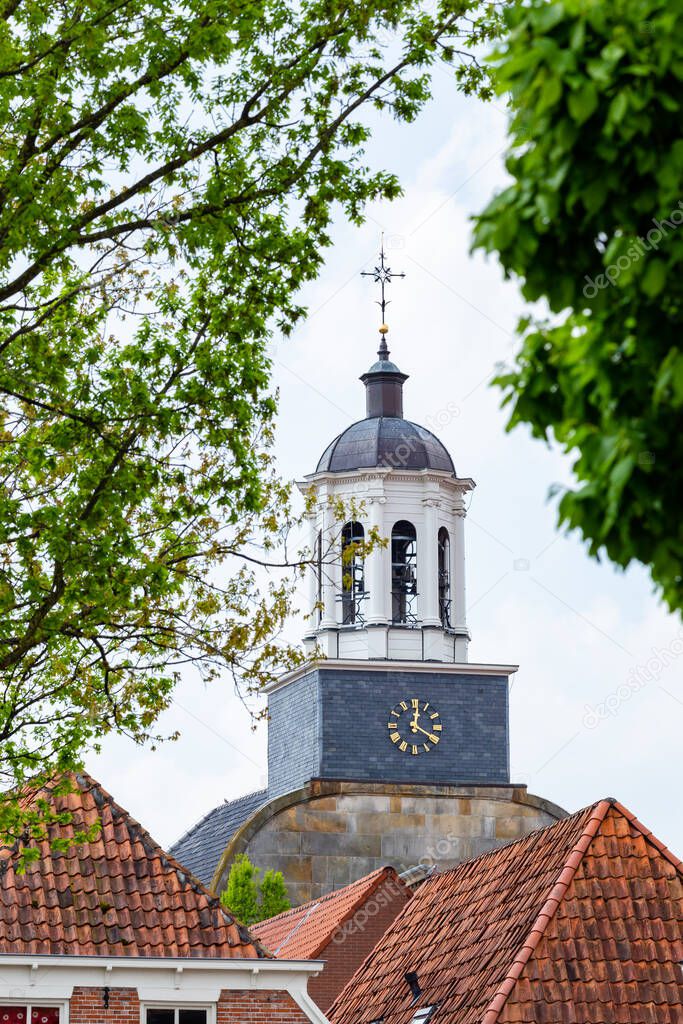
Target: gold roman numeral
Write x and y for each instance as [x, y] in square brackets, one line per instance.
[437, 728]
[403, 745]
[415, 750]
[395, 737]
[403, 705]
[435, 715]
[433, 739]
[392, 725]
[415, 702]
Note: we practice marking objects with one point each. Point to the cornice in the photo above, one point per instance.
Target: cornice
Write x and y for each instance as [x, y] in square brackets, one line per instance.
[457, 484]
[462, 668]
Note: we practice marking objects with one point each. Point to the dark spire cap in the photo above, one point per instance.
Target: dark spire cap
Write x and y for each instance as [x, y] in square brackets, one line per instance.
[384, 386]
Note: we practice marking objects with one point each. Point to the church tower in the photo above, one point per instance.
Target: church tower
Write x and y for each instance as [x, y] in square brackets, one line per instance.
[405, 601]
[386, 746]
[391, 696]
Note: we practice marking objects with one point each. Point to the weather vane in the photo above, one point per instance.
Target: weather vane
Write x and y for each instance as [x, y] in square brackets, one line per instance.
[383, 276]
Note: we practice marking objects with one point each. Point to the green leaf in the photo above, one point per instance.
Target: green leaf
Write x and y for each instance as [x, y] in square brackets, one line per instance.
[618, 108]
[583, 102]
[654, 278]
[605, 377]
[169, 174]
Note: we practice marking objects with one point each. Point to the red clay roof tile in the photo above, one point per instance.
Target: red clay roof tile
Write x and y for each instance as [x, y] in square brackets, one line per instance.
[578, 922]
[120, 895]
[302, 933]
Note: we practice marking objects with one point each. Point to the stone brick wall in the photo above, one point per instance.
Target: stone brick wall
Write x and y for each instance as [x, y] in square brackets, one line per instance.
[331, 833]
[293, 735]
[355, 940]
[268, 1007]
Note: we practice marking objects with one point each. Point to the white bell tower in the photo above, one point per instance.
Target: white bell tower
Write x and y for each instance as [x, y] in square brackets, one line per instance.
[405, 601]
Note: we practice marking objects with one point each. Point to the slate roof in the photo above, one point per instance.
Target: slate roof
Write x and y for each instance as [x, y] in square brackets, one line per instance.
[385, 441]
[202, 846]
[578, 922]
[119, 895]
[304, 932]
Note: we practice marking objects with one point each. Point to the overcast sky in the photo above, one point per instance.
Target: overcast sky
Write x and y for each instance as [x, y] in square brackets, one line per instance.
[597, 705]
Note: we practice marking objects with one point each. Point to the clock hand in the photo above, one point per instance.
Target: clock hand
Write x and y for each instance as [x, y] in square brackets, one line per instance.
[413, 725]
[418, 728]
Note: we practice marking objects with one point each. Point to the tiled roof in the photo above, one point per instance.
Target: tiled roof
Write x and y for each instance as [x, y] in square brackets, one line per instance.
[578, 922]
[120, 895]
[202, 846]
[303, 933]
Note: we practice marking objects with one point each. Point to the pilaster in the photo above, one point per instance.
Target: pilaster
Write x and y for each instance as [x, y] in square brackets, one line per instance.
[377, 566]
[428, 576]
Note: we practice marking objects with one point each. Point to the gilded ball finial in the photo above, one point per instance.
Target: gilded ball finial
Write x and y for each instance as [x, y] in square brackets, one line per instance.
[384, 329]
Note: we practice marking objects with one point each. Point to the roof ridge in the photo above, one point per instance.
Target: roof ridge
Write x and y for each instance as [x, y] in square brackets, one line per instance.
[326, 896]
[649, 836]
[598, 812]
[378, 431]
[186, 877]
[378, 876]
[205, 817]
[103, 842]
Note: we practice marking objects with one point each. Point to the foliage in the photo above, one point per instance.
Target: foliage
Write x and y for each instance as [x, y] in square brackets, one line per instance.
[274, 898]
[33, 814]
[241, 895]
[167, 177]
[592, 223]
[249, 901]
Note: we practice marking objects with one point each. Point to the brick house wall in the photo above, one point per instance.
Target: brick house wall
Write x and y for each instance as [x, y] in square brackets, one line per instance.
[267, 1007]
[259, 1007]
[355, 940]
[86, 1006]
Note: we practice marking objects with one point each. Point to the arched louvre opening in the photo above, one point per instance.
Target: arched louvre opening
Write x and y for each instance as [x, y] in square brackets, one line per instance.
[404, 573]
[444, 546]
[353, 574]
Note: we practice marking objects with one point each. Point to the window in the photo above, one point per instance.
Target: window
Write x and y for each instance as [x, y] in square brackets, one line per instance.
[403, 573]
[353, 583]
[423, 1015]
[176, 1015]
[444, 545]
[29, 1014]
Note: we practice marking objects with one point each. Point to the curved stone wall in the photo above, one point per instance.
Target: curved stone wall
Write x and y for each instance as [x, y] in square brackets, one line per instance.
[331, 832]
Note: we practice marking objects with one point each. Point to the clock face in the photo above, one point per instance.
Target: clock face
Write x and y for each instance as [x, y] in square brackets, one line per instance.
[414, 726]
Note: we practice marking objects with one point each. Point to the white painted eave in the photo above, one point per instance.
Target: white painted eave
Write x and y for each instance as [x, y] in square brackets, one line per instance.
[174, 980]
[253, 965]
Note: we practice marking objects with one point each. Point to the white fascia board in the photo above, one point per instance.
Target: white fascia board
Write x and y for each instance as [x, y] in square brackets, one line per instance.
[165, 979]
[460, 668]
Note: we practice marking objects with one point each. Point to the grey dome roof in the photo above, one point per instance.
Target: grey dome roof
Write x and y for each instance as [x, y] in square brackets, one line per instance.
[384, 366]
[385, 441]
